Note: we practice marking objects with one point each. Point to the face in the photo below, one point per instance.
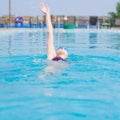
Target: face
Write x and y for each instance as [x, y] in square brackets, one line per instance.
[62, 53]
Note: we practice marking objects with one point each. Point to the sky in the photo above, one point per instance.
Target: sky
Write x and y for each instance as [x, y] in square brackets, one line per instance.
[59, 7]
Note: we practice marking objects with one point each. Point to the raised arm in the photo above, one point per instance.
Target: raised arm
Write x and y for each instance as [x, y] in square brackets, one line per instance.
[51, 53]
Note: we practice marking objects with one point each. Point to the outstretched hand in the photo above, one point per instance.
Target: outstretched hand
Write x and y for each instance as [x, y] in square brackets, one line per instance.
[44, 8]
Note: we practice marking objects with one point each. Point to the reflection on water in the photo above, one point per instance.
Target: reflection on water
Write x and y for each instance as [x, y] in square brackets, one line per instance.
[9, 45]
[65, 37]
[115, 41]
[33, 42]
[93, 40]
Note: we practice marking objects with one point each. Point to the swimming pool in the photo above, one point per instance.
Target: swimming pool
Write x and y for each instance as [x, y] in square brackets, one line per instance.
[84, 88]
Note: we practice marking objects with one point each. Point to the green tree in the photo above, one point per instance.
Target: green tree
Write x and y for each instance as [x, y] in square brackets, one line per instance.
[116, 14]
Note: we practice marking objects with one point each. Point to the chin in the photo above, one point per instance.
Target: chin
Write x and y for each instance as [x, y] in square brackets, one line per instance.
[62, 53]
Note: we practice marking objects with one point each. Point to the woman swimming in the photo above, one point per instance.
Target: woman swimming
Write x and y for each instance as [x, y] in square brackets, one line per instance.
[52, 54]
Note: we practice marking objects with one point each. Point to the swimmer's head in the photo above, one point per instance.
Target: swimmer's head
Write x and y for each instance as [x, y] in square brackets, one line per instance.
[62, 52]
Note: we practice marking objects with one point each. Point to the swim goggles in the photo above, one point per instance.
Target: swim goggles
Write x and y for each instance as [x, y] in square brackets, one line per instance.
[63, 48]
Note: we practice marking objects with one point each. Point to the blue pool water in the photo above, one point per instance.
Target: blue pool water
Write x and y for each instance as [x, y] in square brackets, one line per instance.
[87, 87]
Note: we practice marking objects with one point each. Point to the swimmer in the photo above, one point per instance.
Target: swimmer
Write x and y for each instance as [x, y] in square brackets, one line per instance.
[55, 55]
